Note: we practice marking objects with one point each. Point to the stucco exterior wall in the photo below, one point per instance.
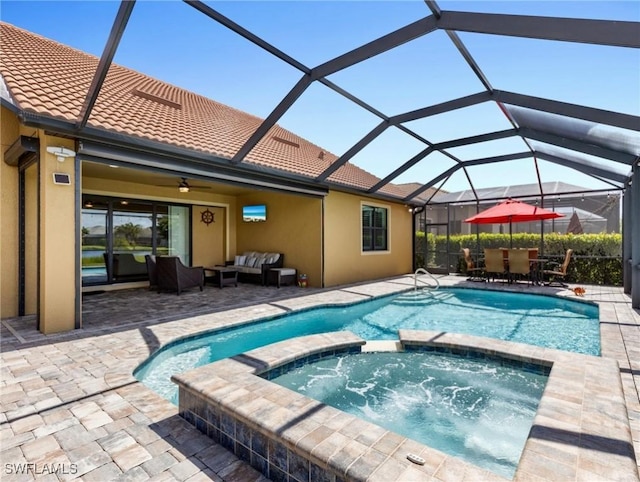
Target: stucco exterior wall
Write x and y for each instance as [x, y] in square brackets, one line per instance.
[209, 240]
[57, 240]
[345, 262]
[293, 227]
[9, 131]
[32, 256]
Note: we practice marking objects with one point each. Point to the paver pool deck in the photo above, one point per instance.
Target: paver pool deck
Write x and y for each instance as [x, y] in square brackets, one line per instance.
[70, 403]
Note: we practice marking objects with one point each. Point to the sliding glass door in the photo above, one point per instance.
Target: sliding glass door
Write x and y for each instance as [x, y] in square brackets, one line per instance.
[118, 233]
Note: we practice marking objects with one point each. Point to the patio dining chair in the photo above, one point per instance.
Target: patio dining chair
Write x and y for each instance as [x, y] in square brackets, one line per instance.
[559, 272]
[519, 265]
[493, 263]
[475, 273]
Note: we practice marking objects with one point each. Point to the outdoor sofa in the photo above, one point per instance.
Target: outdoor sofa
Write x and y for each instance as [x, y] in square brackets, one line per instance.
[253, 266]
[126, 267]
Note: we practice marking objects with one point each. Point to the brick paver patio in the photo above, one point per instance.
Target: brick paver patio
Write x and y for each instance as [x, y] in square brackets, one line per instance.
[70, 405]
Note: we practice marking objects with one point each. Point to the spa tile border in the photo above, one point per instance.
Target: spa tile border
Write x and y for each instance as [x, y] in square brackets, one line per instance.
[577, 432]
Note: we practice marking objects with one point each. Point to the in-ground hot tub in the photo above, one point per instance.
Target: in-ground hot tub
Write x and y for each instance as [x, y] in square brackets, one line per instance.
[476, 407]
[285, 434]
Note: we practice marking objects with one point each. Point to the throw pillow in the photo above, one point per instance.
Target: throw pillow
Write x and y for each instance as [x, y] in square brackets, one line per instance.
[240, 260]
[250, 262]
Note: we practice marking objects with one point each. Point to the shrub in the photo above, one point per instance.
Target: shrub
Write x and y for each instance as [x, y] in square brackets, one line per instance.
[597, 258]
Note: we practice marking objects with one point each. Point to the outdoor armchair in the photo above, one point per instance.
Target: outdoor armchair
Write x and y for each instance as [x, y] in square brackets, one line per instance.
[172, 275]
[151, 271]
[559, 272]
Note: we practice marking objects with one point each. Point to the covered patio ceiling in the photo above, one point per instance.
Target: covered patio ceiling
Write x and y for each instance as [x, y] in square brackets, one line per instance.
[602, 144]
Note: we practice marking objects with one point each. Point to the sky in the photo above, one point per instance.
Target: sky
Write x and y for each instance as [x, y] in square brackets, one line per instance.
[171, 41]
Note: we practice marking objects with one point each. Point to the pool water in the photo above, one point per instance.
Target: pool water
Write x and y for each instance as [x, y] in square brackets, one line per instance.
[537, 320]
[470, 408]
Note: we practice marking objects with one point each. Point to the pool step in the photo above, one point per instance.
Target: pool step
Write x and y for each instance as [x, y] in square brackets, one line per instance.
[381, 345]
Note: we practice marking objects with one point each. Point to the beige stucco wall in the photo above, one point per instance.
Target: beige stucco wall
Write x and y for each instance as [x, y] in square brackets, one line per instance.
[209, 240]
[293, 227]
[345, 262]
[9, 131]
[32, 257]
[57, 240]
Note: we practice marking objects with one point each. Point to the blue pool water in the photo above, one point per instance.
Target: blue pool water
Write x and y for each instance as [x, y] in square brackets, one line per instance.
[537, 320]
[475, 409]
[94, 271]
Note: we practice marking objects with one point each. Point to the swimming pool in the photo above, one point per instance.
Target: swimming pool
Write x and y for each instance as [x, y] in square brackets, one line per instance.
[477, 409]
[534, 319]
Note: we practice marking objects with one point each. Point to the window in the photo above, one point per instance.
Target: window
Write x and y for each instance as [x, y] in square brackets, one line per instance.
[112, 227]
[374, 228]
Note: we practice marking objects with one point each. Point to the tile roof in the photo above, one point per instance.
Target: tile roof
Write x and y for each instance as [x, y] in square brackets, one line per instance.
[50, 79]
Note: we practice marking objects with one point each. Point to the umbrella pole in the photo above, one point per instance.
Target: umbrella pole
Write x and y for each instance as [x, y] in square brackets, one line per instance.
[510, 233]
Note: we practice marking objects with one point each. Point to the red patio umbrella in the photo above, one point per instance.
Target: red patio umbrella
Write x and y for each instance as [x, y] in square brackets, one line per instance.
[511, 211]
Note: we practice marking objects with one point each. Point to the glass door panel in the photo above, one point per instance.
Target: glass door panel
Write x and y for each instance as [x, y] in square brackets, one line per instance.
[94, 242]
[178, 233]
[132, 240]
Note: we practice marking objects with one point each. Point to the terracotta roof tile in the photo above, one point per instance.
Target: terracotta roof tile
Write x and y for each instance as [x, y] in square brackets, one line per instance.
[52, 79]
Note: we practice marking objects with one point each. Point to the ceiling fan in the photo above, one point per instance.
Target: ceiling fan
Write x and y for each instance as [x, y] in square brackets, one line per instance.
[184, 186]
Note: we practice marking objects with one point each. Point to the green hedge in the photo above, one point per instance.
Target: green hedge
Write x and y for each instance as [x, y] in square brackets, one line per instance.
[597, 258]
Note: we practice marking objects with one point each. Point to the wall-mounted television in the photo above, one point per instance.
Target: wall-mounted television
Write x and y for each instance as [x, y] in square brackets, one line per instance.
[254, 214]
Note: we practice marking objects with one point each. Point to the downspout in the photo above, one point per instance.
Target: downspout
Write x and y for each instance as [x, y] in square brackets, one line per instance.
[416, 212]
[78, 244]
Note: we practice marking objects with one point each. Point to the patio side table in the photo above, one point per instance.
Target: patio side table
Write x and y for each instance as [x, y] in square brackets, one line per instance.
[222, 276]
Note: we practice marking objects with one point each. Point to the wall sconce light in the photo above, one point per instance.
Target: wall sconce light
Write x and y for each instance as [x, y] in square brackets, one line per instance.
[61, 153]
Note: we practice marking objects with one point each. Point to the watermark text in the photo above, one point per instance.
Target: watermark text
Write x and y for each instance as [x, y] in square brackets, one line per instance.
[40, 469]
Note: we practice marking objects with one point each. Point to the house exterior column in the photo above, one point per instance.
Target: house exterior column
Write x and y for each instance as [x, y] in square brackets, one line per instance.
[57, 251]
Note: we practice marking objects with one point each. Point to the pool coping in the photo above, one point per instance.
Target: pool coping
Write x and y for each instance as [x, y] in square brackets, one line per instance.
[574, 424]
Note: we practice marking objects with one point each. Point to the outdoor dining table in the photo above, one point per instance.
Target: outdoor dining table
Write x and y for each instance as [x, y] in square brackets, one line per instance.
[537, 264]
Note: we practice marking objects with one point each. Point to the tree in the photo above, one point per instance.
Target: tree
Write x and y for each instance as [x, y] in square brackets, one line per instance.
[130, 232]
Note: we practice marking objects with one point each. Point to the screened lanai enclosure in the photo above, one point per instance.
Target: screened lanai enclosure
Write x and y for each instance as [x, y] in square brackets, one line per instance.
[454, 106]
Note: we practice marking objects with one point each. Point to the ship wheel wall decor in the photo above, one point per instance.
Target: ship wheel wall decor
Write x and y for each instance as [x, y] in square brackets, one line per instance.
[207, 217]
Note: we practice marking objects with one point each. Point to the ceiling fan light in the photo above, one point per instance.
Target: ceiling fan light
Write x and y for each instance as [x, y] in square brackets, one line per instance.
[183, 186]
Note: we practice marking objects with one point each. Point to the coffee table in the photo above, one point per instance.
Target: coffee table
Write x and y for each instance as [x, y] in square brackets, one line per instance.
[222, 276]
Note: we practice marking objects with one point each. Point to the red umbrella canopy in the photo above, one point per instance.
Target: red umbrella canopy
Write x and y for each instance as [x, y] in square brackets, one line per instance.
[511, 211]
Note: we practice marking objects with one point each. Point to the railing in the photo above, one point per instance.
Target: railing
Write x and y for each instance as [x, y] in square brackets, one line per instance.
[425, 283]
